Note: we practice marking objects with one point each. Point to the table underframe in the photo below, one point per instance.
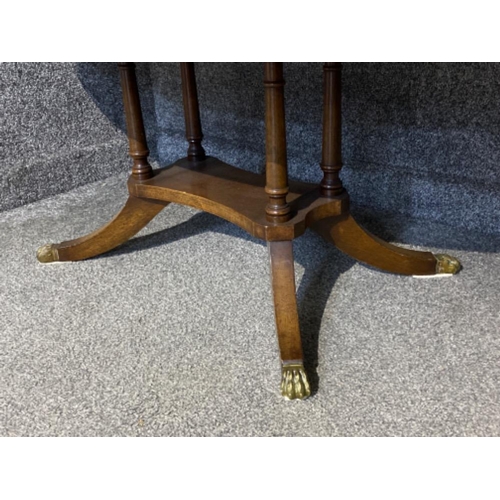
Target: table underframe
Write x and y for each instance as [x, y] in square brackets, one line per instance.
[269, 207]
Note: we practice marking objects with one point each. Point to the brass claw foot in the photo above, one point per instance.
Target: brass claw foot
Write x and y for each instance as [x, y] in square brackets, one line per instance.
[446, 264]
[294, 384]
[47, 253]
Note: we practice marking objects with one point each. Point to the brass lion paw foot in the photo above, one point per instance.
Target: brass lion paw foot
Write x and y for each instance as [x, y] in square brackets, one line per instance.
[47, 253]
[294, 384]
[447, 264]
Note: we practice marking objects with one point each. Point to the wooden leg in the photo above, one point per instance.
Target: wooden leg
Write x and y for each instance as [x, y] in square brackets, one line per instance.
[138, 147]
[294, 383]
[349, 237]
[343, 231]
[130, 220]
[277, 209]
[137, 212]
[194, 133]
[331, 158]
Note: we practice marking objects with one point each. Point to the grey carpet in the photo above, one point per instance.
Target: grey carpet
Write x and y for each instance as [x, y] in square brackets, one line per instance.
[173, 334]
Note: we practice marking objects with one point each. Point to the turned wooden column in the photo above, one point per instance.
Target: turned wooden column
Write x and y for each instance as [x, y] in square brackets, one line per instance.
[138, 147]
[194, 134]
[331, 161]
[277, 209]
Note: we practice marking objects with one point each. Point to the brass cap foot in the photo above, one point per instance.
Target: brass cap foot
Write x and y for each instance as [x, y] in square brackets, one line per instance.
[446, 264]
[294, 384]
[47, 253]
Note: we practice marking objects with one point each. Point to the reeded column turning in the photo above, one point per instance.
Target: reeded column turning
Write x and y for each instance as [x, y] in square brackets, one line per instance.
[331, 161]
[277, 209]
[138, 147]
[194, 133]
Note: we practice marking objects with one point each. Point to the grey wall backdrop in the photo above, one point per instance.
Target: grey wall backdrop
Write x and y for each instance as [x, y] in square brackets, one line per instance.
[419, 139]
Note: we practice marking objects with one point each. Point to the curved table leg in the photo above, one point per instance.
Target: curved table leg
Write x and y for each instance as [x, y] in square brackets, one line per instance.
[294, 383]
[130, 220]
[349, 237]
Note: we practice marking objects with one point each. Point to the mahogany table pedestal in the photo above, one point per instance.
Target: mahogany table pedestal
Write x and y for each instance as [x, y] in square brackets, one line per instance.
[268, 207]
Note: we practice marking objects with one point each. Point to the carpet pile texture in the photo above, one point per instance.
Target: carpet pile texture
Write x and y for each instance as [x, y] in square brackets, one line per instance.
[173, 333]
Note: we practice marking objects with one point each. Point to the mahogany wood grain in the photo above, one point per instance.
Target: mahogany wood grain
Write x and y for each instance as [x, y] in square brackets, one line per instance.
[349, 237]
[136, 214]
[285, 301]
[138, 147]
[194, 134]
[277, 209]
[237, 196]
[331, 161]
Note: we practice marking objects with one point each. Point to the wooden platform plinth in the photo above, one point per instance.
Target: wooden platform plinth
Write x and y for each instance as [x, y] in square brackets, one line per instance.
[237, 196]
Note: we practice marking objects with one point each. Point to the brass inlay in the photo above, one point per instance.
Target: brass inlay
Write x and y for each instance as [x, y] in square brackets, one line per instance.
[446, 264]
[47, 253]
[294, 384]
